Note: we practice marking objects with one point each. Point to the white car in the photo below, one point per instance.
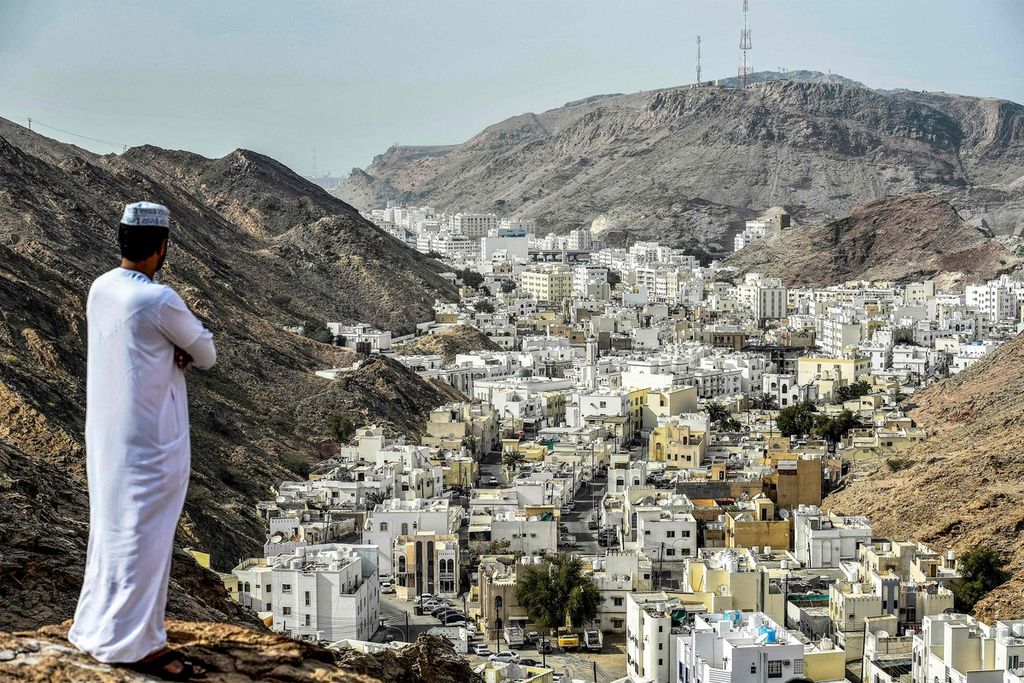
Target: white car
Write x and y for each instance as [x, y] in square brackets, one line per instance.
[506, 657]
[387, 588]
[481, 650]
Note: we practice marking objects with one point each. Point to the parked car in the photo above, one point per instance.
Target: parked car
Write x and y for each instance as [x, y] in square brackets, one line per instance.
[593, 525]
[492, 481]
[422, 598]
[526, 661]
[505, 657]
[387, 588]
[481, 650]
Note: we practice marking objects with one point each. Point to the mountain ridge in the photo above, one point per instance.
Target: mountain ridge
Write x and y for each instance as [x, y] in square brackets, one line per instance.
[648, 165]
[253, 248]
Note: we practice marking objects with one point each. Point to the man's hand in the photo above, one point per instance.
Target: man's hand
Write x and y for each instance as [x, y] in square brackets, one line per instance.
[182, 359]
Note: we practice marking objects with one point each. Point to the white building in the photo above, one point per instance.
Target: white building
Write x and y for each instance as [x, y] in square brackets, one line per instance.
[825, 540]
[327, 592]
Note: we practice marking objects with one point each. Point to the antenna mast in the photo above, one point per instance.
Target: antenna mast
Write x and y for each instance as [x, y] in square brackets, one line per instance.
[698, 60]
[745, 68]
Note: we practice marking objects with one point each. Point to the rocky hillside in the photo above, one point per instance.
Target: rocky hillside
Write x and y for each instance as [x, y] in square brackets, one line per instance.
[449, 343]
[236, 655]
[688, 165]
[893, 238]
[254, 247]
[962, 486]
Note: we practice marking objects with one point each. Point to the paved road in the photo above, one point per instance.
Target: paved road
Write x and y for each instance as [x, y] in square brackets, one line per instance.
[396, 614]
[583, 511]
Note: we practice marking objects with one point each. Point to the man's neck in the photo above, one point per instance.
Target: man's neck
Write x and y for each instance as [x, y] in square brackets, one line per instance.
[145, 267]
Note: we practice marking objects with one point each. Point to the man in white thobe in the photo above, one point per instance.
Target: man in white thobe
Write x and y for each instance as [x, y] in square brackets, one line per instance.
[142, 339]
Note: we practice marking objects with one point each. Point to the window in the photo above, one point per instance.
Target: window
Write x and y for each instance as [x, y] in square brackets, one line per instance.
[670, 534]
[307, 598]
[686, 533]
[670, 552]
[405, 528]
[383, 526]
[617, 602]
[775, 669]
[307, 620]
[286, 610]
[286, 588]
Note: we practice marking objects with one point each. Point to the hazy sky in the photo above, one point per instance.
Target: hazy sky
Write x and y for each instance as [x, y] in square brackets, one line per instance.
[347, 79]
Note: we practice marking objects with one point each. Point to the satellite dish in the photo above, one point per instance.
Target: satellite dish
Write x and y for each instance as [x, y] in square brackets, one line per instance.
[784, 513]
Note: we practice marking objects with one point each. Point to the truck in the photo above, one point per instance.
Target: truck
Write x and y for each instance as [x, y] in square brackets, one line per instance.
[515, 636]
[593, 640]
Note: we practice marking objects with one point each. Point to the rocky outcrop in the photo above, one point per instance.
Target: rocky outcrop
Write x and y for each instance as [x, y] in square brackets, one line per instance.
[688, 165]
[961, 487]
[235, 655]
[449, 343]
[917, 236]
[253, 248]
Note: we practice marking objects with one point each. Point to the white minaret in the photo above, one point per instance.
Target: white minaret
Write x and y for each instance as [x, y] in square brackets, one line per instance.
[590, 372]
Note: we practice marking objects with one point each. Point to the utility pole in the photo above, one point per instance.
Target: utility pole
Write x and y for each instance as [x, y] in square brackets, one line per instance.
[661, 562]
[698, 61]
[30, 123]
[594, 664]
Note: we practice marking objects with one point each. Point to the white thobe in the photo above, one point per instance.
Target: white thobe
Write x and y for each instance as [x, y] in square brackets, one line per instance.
[138, 460]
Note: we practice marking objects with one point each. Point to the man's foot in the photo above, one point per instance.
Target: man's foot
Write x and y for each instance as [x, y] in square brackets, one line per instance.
[169, 664]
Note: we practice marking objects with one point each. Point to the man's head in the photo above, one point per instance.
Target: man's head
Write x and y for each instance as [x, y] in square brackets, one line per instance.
[143, 234]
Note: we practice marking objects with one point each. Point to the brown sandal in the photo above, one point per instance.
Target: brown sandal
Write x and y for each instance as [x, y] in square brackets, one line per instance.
[156, 665]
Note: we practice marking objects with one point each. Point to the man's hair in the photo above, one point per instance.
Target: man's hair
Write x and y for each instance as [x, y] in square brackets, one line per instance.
[139, 243]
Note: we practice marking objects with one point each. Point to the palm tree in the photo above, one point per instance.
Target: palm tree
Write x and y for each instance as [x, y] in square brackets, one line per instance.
[558, 591]
[512, 460]
[764, 401]
[374, 498]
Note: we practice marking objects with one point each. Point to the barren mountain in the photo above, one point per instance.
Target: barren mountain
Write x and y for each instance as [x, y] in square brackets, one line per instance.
[253, 248]
[893, 238]
[449, 343]
[962, 485]
[688, 165]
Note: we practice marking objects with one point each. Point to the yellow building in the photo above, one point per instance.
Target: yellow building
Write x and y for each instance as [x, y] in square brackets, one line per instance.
[667, 403]
[831, 373]
[550, 284]
[459, 471]
[757, 526]
[677, 445]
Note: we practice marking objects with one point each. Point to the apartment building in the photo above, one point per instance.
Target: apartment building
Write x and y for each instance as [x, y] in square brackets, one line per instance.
[426, 562]
[551, 284]
[326, 592]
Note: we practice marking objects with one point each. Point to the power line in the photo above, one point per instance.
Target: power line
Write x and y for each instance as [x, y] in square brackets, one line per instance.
[37, 122]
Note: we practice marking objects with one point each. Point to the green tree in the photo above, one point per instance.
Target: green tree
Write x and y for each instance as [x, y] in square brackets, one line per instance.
[852, 391]
[765, 401]
[317, 330]
[508, 286]
[470, 278]
[558, 589]
[340, 427]
[484, 306]
[833, 429]
[720, 415]
[982, 570]
[796, 419]
[512, 460]
[373, 498]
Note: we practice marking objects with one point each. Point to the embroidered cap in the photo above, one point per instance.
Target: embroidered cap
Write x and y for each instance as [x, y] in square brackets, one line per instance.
[146, 214]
